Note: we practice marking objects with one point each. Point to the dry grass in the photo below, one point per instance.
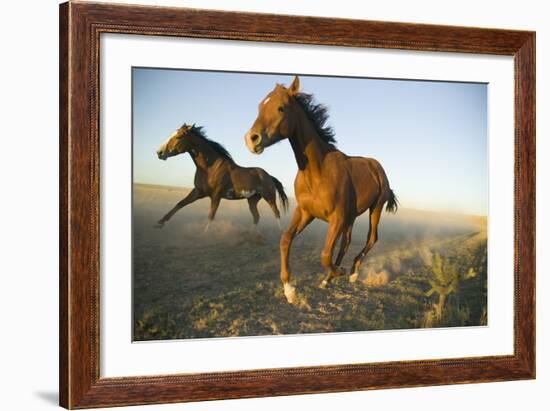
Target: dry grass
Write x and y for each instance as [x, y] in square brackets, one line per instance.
[190, 284]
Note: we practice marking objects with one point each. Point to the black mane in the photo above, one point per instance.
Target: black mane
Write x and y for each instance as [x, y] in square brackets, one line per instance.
[217, 147]
[318, 114]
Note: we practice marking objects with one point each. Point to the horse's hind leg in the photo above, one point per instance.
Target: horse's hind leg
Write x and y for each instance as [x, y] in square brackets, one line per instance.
[273, 204]
[374, 219]
[253, 206]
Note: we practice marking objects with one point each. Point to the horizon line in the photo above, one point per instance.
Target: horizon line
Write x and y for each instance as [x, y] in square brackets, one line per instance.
[291, 197]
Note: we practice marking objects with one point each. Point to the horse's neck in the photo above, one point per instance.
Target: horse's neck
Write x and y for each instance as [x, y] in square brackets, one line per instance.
[203, 156]
[309, 149]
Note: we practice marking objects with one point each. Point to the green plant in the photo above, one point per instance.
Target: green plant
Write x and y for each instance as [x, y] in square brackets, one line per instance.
[444, 282]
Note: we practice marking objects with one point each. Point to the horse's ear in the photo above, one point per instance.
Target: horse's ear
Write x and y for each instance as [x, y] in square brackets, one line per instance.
[294, 87]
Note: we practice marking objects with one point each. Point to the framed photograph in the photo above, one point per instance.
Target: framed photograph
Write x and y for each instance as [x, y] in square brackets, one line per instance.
[259, 205]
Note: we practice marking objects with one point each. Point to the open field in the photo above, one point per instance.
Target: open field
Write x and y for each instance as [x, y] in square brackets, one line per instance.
[427, 270]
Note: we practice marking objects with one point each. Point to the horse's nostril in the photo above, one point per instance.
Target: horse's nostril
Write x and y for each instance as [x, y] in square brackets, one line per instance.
[255, 138]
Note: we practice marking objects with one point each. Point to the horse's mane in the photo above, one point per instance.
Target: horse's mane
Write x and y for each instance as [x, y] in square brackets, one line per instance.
[217, 147]
[318, 114]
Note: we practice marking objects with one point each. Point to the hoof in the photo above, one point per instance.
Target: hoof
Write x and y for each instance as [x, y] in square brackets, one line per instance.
[353, 277]
[159, 225]
[324, 284]
[290, 293]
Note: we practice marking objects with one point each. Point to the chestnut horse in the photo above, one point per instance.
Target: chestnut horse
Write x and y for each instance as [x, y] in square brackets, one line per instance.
[218, 176]
[330, 185]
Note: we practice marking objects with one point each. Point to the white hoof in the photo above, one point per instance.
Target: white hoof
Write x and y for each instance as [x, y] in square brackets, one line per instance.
[290, 293]
[323, 284]
[353, 277]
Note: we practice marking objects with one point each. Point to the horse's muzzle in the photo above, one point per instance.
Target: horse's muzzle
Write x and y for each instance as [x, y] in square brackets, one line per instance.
[253, 142]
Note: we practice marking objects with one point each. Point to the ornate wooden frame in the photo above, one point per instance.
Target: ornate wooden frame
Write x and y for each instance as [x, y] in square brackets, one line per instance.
[80, 27]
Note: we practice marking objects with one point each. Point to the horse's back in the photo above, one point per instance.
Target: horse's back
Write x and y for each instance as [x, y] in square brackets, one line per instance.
[250, 173]
[250, 178]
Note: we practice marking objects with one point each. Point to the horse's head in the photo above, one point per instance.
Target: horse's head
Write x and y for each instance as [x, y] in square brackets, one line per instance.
[180, 141]
[275, 121]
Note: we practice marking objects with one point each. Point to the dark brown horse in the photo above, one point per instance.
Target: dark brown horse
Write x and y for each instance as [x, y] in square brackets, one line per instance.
[330, 185]
[218, 176]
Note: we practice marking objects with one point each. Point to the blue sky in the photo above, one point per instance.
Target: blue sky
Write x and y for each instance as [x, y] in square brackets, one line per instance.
[430, 137]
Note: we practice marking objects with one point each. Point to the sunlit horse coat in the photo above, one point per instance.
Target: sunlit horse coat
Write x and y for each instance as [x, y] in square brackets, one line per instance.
[330, 185]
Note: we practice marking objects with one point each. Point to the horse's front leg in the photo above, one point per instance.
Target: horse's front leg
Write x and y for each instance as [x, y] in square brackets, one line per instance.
[335, 228]
[344, 246]
[300, 219]
[214, 204]
[193, 195]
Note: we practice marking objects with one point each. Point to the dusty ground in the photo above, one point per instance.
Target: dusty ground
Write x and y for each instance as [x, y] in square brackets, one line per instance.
[188, 284]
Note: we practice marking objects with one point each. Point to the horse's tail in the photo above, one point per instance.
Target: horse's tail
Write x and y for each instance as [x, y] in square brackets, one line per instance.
[392, 204]
[283, 199]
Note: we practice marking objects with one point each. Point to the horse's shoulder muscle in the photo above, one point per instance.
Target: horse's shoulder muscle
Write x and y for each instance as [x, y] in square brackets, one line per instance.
[299, 181]
[201, 180]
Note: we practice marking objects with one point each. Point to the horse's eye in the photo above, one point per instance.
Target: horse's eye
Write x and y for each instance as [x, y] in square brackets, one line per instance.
[281, 109]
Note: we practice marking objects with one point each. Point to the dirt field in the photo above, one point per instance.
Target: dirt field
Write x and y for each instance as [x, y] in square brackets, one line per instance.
[191, 284]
